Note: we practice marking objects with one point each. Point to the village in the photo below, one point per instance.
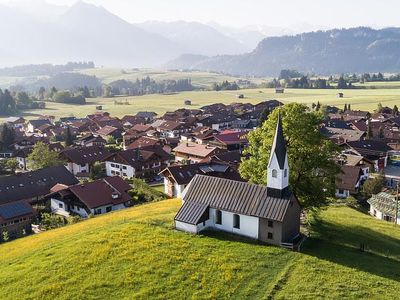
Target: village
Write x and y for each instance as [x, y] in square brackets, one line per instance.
[194, 155]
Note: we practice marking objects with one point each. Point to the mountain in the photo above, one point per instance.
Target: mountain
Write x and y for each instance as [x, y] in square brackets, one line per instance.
[324, 52]
[194, 37]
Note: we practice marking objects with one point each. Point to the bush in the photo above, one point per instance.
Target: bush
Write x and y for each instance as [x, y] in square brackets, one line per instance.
[51, 221]
[142, 192]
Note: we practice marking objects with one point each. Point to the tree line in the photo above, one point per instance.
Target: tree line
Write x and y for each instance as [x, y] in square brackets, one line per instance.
[11, 102]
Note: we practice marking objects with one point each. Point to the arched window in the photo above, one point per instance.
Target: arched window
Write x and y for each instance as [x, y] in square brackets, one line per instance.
[285, 173]
[274, 173]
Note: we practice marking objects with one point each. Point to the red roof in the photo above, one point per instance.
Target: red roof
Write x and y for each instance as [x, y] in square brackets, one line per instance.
[107, 191]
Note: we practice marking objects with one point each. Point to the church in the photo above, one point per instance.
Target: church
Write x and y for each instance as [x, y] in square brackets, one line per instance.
[270, 214]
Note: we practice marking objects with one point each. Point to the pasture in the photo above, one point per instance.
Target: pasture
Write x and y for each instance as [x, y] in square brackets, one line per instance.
[136, 253]
[362, 99]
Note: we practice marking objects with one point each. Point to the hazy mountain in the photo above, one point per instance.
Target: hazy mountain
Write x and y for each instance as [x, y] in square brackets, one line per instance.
[324, 52]
[194, 37]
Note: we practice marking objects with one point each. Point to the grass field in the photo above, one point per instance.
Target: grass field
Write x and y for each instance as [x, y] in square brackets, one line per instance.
[199, 78]
[367, 99]
[136, 254]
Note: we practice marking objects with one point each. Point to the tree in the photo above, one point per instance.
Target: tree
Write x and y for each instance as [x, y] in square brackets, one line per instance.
[312, 168]
[373, 186]
[264, 115]
[11, 164]
[318, 106]
[7, 136]
[41, 157]
[370, 133]
[96, 171]
[342, 84]
[380, 108]
[348, 106]
[395, 110]
[345, 107]
[68, 137]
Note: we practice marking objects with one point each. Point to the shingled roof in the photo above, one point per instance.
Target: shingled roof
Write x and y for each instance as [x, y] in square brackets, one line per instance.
[33, 184]
[233, 196]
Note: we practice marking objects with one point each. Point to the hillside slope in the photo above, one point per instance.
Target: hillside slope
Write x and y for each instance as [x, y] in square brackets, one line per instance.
[136, 254]
[337, 51]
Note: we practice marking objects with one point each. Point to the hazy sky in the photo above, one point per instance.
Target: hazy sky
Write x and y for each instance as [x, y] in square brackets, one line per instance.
[282, 13]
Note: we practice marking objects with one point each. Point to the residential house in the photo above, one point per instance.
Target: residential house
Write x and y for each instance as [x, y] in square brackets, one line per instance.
[80, 160]
[383, 207]
[194, 153]
[218, 120]
[373, 150]
[270, 214]
[230, 140]
[89, 140]
[15, 122]
[144, 162]
[22, 154]
[147, 115]
[32, 125]
[348, 181]
[16, 219]
[177, 177]
[33, 186]
[107, 132]
[172, 129]
[91, 198]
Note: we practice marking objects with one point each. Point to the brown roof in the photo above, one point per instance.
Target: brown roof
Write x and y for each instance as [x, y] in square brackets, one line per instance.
[195, 149]
[85, 155]
[143, 142]
[233, 196]
[107, 130]
[348, 178]
[141, 127]
[107, 191]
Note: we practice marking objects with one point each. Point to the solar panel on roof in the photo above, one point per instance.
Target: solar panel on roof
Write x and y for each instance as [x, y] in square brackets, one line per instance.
[15, 209]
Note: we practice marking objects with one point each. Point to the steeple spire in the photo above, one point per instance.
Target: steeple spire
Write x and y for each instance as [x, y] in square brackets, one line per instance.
[278, 166]
[279, 144]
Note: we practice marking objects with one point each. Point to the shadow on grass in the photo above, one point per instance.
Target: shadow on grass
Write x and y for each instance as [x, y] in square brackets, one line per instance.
[340, 244]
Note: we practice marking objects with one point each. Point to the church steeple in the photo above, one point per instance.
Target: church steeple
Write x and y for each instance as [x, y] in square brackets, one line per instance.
[278, 166]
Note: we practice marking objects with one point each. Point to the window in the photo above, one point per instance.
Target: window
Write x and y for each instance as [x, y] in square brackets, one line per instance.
[270, 224]
[60, 205]
[270, 236]
[97, 211]
[108, 209]
[374, 213]
[274, 173]
[124, 167]
[218, 217]
[285, 173]
[236, 221]
[341, 191]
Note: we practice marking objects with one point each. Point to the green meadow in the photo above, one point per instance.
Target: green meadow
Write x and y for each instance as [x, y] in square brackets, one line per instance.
[363, 99]
[136, 253]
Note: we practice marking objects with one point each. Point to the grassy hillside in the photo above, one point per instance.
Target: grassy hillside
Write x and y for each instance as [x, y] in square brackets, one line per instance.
[136, 254]
[367, 99]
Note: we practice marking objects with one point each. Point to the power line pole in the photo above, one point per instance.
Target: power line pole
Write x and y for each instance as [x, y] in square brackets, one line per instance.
[397, 204]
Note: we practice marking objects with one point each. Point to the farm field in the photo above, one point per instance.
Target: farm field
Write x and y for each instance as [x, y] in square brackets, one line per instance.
[366, 99]
[135, 253]
[199, 78]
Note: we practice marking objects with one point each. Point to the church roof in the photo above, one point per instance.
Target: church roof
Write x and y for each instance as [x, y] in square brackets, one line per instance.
[279, 144]
[233, 196]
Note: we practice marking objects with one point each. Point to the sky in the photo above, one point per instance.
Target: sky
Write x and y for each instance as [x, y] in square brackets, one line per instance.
[241, 13]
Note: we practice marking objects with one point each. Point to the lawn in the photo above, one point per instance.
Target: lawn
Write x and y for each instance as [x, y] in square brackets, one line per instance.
[364, 99]
[136, 254]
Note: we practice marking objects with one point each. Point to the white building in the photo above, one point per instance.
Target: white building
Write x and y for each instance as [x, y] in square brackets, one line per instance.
[269, 213]
[383, 207]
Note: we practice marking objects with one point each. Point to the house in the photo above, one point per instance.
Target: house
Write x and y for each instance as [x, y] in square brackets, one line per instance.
[359, 161]
[16, 219]
[279, 90]
[80, 160]
[172, 129]
[230, 140]
[187, 102]
[21, 155]
[143, 142]
[33, 186]
[92, 198]
[270, 214]
[383, 207]
[341, 136]
[32, 125]
[89, 140]
[218, 120]
[348, 181]
[107, 132]
[147, 115]
[194, 153]
[339, 95]
[15, 122]
[144, 162]
[177, 177]
[373, 150]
